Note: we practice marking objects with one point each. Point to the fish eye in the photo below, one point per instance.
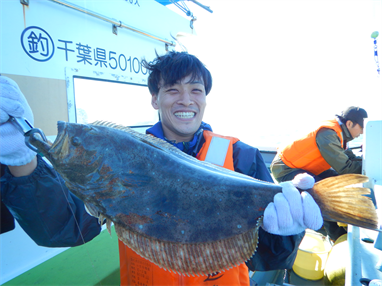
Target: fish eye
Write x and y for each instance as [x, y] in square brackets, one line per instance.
[76, 141]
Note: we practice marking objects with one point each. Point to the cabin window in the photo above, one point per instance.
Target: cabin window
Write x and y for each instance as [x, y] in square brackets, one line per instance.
[118, 102]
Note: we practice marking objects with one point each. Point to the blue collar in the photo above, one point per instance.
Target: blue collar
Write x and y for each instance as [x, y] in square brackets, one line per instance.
[187, 147]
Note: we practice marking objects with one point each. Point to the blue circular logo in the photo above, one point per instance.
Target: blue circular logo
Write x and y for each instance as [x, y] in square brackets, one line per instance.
[37, 44]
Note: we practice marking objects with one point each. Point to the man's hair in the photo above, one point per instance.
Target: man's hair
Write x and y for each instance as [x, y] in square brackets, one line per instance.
[353, 113]
[174, 66]
[345, 120]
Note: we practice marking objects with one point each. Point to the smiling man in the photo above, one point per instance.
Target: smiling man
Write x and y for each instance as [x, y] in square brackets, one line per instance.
[181, 108]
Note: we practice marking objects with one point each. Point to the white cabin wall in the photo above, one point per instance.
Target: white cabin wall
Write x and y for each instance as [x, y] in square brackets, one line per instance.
[47, 99]
[44, 80]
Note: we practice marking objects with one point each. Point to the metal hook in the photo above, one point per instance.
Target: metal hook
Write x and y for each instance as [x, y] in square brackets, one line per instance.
[31, 133]
[192, 22]
[27, 129]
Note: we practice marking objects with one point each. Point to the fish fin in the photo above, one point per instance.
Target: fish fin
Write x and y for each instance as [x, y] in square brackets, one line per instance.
[108, 225]
[151, 140]
[167, 147]
[341, 202]
[192, 259]
[91, 209]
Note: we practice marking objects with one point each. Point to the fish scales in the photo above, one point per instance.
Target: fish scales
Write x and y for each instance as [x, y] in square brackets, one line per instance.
[184, 215]
[157, 193]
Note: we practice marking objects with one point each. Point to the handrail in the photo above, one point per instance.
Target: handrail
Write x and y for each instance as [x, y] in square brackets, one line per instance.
[110, 20]
[201, 5]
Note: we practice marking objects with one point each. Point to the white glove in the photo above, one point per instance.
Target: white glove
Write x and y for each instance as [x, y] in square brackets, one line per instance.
[13, 151]
[292, 213]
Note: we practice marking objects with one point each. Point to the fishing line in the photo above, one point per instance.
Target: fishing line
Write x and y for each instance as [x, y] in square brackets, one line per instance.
[77, 224]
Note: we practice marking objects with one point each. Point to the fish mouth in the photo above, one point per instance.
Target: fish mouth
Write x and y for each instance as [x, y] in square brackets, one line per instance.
[60, 145]
[39, 144]
[61, 128]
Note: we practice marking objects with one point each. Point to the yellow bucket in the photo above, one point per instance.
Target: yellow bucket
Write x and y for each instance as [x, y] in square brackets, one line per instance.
[311, 256]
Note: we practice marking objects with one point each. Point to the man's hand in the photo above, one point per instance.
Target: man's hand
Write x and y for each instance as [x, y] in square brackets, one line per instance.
[290, 212]
[13, 151]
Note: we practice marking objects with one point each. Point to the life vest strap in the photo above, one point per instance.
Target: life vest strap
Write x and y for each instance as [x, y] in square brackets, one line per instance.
[217, 152]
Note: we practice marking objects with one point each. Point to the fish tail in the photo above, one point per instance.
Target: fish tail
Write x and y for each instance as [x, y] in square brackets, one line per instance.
[341, 202]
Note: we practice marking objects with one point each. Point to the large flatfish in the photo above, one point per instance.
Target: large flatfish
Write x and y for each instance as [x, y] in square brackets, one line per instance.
[187, 216]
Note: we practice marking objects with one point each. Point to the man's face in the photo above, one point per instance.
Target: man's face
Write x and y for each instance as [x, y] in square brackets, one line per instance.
[181, 108]
[354, 129]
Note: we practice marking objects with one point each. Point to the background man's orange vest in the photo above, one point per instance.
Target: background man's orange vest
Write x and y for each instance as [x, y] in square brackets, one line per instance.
[136, 270]
[304, 153]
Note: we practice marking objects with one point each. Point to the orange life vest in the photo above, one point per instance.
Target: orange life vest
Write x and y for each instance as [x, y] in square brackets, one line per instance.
[136, 270]
[304, 153]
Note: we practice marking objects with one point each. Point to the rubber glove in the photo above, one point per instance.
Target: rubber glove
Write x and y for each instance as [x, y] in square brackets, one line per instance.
[290, 212]
[13, 151]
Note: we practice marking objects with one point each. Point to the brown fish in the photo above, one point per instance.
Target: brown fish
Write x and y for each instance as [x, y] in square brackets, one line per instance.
[184, 215]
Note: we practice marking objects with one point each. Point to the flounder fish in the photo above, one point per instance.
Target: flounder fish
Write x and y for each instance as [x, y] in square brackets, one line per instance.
[184, 215]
